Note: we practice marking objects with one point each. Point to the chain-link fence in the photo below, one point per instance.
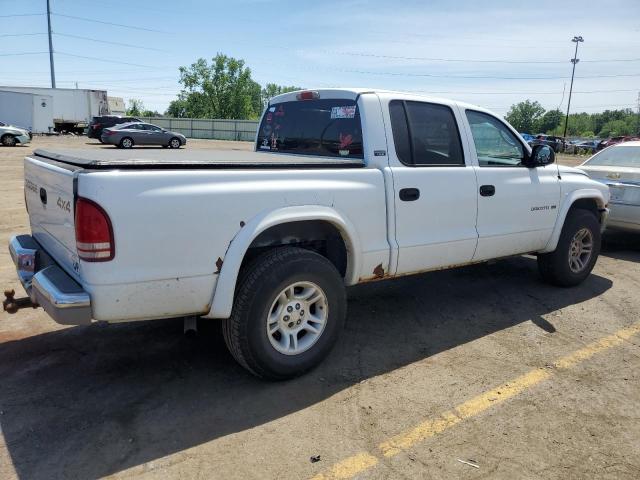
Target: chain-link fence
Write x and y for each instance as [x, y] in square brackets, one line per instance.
[208, 128]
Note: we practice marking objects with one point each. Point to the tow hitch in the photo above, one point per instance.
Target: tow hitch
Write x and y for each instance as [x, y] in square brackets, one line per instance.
[11, 304]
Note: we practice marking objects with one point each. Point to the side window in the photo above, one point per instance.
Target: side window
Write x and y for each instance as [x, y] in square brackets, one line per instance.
[425, 134]
[495, 144]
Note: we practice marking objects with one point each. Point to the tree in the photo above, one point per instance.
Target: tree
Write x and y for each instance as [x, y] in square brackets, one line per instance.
[524, 116]
[222, 89]
[177, 108]
[135, 107]
[151, 113]
[270, 90]
[549, 121]
[614, 128]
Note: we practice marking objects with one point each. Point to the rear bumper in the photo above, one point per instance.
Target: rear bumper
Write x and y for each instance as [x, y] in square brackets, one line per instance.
[47, 284]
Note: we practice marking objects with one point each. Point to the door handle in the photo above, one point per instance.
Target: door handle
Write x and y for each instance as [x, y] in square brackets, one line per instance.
[487, 190]
[409, 194]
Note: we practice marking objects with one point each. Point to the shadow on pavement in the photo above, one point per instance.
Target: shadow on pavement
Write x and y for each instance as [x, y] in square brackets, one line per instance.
[85, 402]
[621, 245]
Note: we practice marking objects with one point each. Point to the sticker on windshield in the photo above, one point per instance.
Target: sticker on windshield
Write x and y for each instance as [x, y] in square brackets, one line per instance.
[348, 111]
[272, 109]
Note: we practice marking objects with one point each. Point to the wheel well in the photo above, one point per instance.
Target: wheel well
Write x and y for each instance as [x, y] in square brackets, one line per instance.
[317, 235]
[588, 204]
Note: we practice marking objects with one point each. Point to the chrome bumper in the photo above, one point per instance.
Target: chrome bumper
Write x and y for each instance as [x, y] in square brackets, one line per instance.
[47, 284]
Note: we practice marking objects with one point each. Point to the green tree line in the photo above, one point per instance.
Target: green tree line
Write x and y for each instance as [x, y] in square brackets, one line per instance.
[530, 117]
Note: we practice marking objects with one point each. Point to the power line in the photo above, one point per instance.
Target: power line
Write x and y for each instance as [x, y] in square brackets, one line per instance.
[108, 61]
[20, 53]
[21, 34]
[108, 23]
[108, 42]
[22, 15]
[471, 60]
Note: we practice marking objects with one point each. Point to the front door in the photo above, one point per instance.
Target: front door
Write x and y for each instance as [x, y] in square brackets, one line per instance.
[434, 188]
[517, 206]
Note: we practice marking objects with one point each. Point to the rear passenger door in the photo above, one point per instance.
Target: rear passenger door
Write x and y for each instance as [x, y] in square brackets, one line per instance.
[435, 187]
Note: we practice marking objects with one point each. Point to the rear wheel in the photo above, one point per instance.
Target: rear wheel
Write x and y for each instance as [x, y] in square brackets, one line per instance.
[289, 309]
[577, 251]
[126, 142]
[9, 140]
[175, 142]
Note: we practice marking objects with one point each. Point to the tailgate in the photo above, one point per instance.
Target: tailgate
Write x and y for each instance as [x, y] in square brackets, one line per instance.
[49, 194]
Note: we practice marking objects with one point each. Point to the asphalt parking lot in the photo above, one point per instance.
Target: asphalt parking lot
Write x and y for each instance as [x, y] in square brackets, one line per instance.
[477, 372]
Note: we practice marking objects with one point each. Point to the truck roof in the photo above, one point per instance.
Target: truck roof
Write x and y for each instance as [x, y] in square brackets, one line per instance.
[353, 92]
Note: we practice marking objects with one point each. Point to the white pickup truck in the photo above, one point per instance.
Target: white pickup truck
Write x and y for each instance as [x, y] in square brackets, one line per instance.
[345, 186]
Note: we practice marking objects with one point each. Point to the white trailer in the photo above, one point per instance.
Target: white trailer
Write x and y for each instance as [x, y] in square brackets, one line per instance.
[72, 107]
[27, 110]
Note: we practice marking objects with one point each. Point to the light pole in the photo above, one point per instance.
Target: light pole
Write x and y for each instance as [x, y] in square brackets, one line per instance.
[53, 72]
[574, 60]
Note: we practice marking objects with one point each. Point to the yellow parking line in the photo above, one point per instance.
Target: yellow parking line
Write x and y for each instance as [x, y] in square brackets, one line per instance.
[358, 463]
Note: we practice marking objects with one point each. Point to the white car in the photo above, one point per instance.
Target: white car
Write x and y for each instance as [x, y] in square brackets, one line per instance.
[11, 136]
[618, 166]
[345, 186]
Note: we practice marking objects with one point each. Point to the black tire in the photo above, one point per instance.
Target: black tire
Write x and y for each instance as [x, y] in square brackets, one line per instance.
[245, 332]
[175, 143]
[9, 140]
[555, 267]
[126, 142]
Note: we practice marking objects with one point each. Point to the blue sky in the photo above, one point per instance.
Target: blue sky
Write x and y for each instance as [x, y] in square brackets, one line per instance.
[482, 52]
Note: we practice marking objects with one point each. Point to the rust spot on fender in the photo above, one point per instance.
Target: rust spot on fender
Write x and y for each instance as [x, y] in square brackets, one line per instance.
[378, 271]
[219, 263]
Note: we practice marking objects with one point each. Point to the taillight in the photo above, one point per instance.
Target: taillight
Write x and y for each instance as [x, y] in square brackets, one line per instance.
[308, 95]
[96, 126]
[108, 132]
[94, 234]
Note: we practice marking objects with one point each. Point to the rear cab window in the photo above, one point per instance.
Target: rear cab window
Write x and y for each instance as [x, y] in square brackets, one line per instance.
[425, 134]
[322, 127]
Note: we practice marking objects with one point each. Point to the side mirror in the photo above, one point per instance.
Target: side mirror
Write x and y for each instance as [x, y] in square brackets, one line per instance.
[541, 155]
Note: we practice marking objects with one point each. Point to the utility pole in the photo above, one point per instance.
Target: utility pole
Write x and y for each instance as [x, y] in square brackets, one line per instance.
[574, 60]
[53, 72]
[638, 122]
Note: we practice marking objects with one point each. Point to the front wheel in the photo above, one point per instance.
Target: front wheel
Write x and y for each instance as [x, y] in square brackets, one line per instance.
[175, 143]
[288, 312]
[9, 141]
[577, 251]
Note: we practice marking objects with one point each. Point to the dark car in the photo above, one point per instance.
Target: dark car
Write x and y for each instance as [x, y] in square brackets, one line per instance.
[554, 142]
[100, 123]
[615, 140]
[139, 133]
[589, 146]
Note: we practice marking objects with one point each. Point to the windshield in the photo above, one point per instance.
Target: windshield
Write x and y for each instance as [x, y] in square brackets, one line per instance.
[325, 127]
[623, 156]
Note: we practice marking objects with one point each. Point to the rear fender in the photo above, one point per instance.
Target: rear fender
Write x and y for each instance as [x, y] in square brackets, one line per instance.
[222, 302]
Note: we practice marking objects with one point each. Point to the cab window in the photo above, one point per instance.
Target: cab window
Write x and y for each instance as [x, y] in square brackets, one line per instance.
[425, 134]
[496, 145]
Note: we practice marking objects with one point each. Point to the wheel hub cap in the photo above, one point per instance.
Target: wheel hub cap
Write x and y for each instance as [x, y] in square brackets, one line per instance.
[580, 250]
[297, 318]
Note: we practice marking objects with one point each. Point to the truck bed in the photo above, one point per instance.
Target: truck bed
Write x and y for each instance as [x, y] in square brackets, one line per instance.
[106, 158]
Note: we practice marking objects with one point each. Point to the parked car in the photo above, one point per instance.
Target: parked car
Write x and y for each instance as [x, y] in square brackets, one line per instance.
[556, 143]
[527, 137]
[11, 136]
[615, 140]
[98, 124]
[618, 167]
[345, 186]
[127, 135]
[590, 146]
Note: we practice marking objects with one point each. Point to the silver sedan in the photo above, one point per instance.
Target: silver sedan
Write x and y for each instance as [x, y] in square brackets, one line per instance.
[126, 135]
[619, 167]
